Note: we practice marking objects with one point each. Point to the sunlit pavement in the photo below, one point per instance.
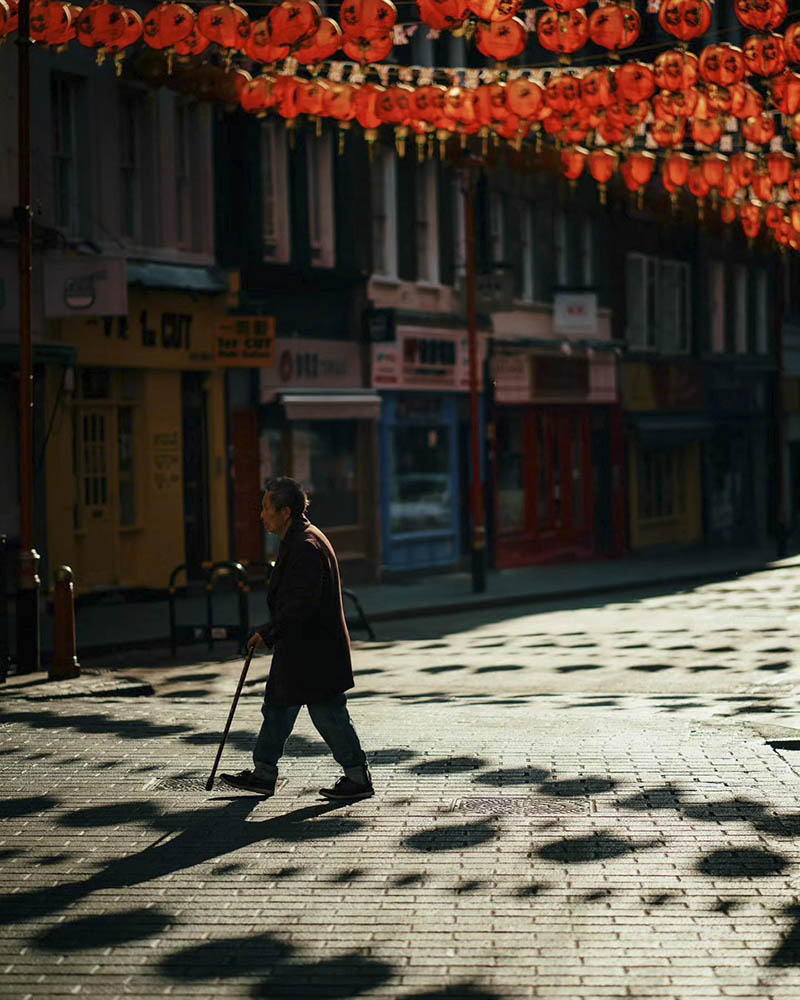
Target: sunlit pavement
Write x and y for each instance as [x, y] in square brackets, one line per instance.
[579, 802]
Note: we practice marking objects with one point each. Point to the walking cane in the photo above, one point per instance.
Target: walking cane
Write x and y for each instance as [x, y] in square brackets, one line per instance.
[210, 782]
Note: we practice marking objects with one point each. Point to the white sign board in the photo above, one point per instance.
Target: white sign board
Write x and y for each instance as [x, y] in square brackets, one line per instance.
[85, 286]
[311, 364]
[575, 313]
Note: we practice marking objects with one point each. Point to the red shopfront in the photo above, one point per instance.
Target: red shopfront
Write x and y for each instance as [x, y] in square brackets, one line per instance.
[558, 481]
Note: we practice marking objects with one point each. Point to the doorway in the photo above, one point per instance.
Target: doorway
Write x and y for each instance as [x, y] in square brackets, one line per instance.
[195, 472]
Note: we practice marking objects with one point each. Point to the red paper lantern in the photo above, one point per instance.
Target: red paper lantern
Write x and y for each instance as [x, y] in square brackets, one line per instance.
[562, 93]
[745, 101]
[524, 97]
[791, 42]
[490, 104]
[562, 6]
[615, 26]
[293, 21]
[573, 160]
[442, 15]
[743, 166]
[676, 69]
[750, 214]
[9, 17]
[367, 50]
[785, 90]
[367, 19]
[260, 46]
[194, 44]
[706, 132]
[100, 24]
[675, 170]
[685, 19]
[728, 212]
[132, 33]
[494, 10]
[762, 186]
[759, 130]
[714, 166]
[596, 88]
[665, 134]
[602, 164]
[762, 15]
[637, 169]
[635, 82]
[793, 185]
[258, 95]
[322, 45]
[672, 106]
[502, 40]
[50, 21]
[365, 102]
[779, 166]
[729, 187]
[339, 101]
[563, 33]
[764, 55]
[773, 215]
[167, 23]
[225, 24]
[722, 64]
[698, 184]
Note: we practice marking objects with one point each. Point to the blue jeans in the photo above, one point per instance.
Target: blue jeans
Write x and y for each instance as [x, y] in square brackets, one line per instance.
[333, 723]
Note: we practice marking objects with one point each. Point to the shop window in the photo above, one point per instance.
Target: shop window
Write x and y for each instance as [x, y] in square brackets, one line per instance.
[274, 188]
[421, 479]
[510, 472]
[324, 460]
[384, 212]
[661, 486]
[320, 200]
[716, 276]
[127, 492]
[762, 311]
[183, 159]
[741, 310]
[131, 113]
[658, 304]
[425, 223]
[64, 110]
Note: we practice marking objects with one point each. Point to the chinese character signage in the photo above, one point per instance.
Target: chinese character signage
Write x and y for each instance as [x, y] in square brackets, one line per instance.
[423, 358]
[245, 342]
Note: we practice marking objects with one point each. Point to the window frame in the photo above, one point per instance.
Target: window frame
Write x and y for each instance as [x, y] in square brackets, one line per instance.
[384, 197]
[426, 231]
[319, 180]
[653, 333]
[275, 236]
[64, 95]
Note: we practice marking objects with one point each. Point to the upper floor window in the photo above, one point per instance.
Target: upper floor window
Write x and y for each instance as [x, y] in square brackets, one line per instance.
[716, 284]
[131, 120]
[561, 243]
[762, 312]
[274, 201]
[384, 212]
[459, 236]
[658, 303]
[425, 223]
[63, 103]
[320, 200]
[497, 228]
[184, 114]
[741, 311]
[525, 279]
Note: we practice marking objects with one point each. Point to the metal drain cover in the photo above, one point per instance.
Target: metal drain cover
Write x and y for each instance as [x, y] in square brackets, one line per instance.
[193, 783]
[520, 805]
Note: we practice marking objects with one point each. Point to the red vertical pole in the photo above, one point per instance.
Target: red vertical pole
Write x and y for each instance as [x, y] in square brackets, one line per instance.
[28, 592]
[476, 486]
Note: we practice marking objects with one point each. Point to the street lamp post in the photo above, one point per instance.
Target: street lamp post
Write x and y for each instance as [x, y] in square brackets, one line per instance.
[470, 168]
[28, 589]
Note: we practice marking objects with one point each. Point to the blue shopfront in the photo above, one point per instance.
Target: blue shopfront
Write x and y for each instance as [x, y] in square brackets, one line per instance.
[423, 378]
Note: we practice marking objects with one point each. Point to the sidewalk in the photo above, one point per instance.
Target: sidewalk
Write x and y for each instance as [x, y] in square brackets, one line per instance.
[108, 626]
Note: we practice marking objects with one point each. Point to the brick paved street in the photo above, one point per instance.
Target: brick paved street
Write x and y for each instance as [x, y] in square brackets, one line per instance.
[579, 802]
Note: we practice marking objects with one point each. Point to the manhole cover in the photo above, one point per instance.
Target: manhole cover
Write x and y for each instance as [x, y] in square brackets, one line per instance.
[193, 783]
[511, 805]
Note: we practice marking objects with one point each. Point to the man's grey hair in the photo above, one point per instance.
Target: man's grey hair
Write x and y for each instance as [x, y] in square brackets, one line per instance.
[286, 492]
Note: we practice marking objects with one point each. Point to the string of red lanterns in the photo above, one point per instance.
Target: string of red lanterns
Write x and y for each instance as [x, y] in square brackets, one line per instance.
[743, 101]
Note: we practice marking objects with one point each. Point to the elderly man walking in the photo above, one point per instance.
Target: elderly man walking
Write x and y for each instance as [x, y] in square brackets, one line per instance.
[311, 650]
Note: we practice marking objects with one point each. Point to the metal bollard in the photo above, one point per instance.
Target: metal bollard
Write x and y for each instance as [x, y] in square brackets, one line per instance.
[65, 660]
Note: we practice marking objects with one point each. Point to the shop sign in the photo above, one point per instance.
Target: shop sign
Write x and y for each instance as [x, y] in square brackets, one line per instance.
[245, 342]
[511, 373]
[425, 358]
[575, 313]
[85, 286]
[162, 330]
[301, 363]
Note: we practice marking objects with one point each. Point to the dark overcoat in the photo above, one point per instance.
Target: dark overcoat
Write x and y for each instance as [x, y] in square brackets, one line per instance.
[308, 632]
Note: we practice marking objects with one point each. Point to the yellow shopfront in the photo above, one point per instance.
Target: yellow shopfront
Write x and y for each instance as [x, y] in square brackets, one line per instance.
[136, 467]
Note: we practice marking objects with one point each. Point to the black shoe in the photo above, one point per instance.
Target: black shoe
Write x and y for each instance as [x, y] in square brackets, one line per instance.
[249, 781]
[346, 788]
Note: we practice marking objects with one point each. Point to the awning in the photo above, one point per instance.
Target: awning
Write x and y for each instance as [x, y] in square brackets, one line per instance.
[350, 404]
[151, 274]
[661, 430]
[44, 353]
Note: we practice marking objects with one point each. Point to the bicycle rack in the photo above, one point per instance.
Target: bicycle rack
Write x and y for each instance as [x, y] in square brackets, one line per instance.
[238, 631]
